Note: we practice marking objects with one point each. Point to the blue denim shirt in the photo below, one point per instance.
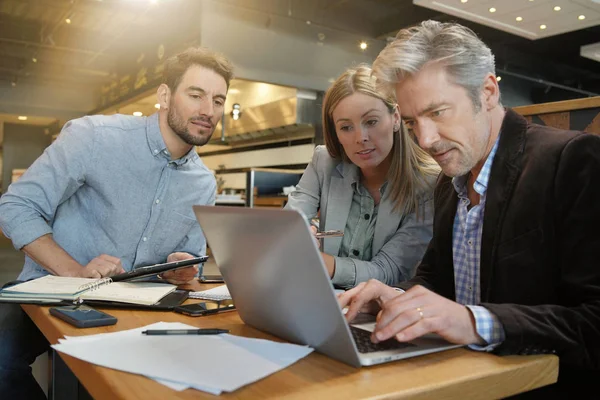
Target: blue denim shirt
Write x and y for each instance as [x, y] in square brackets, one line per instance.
[107, 185]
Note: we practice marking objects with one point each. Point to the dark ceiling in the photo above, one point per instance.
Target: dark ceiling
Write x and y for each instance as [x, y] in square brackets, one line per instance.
[37, 45]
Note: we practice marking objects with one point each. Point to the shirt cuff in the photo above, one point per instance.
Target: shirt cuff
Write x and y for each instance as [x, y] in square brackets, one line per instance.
[345, 272]
[488, 326]
[26, 232]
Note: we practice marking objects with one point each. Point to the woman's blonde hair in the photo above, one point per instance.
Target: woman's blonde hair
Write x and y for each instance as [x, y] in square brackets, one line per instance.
[410, 166]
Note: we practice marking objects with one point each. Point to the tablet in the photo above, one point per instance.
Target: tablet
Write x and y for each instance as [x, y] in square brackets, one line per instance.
[157, 269]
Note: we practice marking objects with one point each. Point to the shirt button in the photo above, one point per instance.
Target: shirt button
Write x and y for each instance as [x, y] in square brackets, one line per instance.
[157, 201]
[355, 252]
[470, 242]
[155, 151]
[145, 239]
[367, 216]
[471, 288]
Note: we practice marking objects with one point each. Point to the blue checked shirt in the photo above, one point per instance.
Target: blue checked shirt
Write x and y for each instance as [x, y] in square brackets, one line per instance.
[466, 249]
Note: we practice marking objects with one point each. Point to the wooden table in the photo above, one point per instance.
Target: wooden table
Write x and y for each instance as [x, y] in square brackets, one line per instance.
[453, 374]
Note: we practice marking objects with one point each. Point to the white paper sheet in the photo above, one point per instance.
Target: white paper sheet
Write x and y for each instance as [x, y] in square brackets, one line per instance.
[211, 363]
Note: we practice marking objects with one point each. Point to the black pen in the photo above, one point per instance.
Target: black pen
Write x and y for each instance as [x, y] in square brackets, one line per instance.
[184, 331]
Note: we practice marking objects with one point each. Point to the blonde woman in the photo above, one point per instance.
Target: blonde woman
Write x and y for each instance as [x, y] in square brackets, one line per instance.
[371, 181]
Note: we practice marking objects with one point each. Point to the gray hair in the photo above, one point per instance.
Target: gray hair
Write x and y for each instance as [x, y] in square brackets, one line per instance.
[466, 58]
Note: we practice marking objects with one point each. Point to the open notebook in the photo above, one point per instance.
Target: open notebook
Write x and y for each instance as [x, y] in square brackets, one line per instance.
[52, 287]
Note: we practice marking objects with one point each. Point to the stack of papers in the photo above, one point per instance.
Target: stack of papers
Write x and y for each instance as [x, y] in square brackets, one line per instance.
[211, 363]
[215, 294]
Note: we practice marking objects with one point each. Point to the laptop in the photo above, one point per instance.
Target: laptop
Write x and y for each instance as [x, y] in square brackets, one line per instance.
[279, 284]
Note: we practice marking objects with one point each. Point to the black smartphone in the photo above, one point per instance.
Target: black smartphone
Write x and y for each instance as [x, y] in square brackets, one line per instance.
[211, 279]
[83, 316]
[208, 308]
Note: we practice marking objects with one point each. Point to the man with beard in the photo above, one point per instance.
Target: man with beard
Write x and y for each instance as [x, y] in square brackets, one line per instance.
[512, 267]
[112, 193]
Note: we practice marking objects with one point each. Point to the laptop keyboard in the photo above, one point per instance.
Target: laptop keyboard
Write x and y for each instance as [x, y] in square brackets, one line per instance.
[363, 342]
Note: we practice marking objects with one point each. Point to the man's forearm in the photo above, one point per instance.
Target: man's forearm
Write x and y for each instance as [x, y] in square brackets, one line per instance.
[47, 253]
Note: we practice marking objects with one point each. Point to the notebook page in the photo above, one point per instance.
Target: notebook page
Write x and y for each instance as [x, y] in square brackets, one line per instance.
[146, 293]
[50, 286]
[214, 294]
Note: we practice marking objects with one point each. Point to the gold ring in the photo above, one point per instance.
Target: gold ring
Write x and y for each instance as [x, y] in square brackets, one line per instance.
[420, 312]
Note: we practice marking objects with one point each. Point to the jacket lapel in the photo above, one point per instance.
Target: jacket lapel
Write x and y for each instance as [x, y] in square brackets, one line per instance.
[503, 176]
[445, 202]
[339, 200]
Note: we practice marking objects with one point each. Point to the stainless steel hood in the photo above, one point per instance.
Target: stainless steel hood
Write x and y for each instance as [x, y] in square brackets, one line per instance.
[282, 120]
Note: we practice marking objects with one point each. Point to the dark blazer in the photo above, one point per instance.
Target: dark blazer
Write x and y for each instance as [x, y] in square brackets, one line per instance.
[540, 255]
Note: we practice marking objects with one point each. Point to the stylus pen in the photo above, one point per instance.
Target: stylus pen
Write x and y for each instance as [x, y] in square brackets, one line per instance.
[184, 331]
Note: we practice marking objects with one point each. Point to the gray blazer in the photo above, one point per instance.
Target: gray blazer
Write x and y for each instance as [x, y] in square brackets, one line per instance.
[399, 241]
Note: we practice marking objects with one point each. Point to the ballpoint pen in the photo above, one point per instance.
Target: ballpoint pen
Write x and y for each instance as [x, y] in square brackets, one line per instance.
[184, 331]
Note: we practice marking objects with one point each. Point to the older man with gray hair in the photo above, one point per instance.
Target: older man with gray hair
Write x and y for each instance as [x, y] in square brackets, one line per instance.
[512, 266]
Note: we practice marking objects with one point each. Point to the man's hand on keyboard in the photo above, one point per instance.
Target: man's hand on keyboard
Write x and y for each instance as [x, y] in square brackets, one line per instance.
[411, 314]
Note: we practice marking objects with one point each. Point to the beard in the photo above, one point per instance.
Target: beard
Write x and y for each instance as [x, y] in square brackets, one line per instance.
[180, 127]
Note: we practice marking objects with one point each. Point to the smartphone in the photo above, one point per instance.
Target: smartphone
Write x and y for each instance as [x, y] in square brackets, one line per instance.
[83, 316]
[208, 308]
[323, 234]
[211, 279]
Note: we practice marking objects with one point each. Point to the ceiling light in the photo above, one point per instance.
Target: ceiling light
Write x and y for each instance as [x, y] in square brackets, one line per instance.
[308, 22]
[33, 59]
[68, 20]
[233, 91]
[463, 1]
[556, 8]
[22, 118]
[543, 26]
[363, 45]
[581, 17]
[13, 83]
[157, 106]
[138, 113]
[498, 78]
[492, 10]
[519, 19]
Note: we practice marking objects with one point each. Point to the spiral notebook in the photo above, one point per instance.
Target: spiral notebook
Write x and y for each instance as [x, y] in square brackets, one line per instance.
[52, 287]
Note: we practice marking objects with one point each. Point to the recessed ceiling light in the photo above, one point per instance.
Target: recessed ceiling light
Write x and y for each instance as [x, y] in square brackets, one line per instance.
[308, 22]
[492, 10]
[157, 106]
[234, 91]
[557, 8]
[519, 19]
[498, 78]
[68, 20]
[463, 1]
[22, 118]
[543, 26]
[363, 45]
[138, 113]
[581, 17]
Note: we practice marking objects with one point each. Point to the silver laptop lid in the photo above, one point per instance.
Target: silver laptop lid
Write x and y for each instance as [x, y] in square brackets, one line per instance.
[276, 276]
